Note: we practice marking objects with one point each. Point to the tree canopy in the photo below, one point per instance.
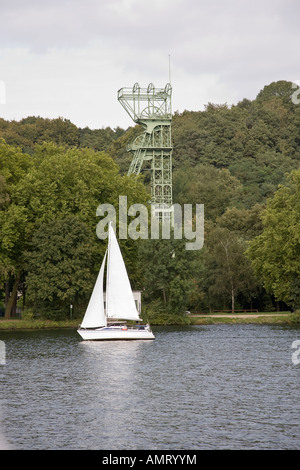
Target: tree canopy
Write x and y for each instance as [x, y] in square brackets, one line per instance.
[240, 161]
[275, 253]
[61, 184]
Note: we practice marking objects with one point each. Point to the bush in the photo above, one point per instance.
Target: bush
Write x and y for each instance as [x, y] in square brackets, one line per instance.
[157, 314]
[296, 317]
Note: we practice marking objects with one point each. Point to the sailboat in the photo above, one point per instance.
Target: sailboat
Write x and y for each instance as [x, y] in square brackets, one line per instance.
[109, 322]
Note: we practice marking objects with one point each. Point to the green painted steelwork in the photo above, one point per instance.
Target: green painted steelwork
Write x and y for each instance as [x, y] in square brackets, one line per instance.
[151, 108]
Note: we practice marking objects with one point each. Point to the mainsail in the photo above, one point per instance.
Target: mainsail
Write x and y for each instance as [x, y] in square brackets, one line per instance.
[119, 297]
[94, 316]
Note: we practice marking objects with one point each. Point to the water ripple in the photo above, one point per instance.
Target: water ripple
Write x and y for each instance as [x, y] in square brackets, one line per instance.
[206, 387]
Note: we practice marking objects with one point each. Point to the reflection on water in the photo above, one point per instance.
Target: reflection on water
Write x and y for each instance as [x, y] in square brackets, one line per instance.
[110, 371]
[203, 387]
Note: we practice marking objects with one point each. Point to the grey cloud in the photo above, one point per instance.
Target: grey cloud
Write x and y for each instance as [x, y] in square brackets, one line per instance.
[231, 47]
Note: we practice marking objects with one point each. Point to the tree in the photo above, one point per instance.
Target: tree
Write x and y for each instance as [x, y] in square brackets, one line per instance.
[280, 89]
[229, 271]
[229, 158]
[167, 276]
[4, 196]
[60, 182]
[245, 223]
[14, 166]
[99, 139]
[59, 266]
[275, 253]
[204, 184]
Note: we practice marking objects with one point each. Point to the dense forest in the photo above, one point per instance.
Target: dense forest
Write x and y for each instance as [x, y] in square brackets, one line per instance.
[240, 161]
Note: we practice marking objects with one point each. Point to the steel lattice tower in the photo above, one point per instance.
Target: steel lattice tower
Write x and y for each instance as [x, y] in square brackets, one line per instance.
[151, 107]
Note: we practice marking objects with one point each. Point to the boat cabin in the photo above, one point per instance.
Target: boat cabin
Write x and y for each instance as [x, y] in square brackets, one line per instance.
[137, 295]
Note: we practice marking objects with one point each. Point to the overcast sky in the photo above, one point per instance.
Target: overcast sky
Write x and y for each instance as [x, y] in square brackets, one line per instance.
[68, 58]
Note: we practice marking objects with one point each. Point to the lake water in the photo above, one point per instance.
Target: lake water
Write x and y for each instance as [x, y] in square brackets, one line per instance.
[201, 387]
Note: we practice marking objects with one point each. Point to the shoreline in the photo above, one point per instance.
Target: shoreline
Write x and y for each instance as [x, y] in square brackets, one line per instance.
[262, 318]
[193, 319]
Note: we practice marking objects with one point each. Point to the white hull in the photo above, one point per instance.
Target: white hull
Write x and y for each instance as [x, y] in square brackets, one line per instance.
[115, 333]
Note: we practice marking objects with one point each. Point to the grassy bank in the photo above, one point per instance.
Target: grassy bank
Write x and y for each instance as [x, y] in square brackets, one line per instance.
[257, 318]
[208, 319]
[36, 324]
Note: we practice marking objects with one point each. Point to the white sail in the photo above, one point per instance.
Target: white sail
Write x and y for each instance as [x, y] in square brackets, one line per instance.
[119, 297]
[94, 316]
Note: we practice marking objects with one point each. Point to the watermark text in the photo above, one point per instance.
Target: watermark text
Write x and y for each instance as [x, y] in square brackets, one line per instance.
[2, 92]
[296, 354]
[186, 222]
[2, 353]
[296, 95]
[150, 459]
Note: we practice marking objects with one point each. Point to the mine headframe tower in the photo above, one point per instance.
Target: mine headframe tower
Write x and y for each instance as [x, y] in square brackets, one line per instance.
[151, 107]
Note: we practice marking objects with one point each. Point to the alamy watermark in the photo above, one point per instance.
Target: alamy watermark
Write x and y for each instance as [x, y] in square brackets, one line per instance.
[2, 353]
[2, 92]
[296, 95]
[296, 354]
[186, 222]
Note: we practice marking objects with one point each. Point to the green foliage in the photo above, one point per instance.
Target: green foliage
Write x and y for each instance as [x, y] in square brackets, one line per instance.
[281, 89]
[216, 188]
[229, 273]
[99, 139]
[166, 273]
[14, 165]
[36, 130]
[245, 223]
[59, 267]
[156, 313]
[258, 141]
[296, 317]
[54, 175]
[65, 180]
[275, 253]
[59, 184]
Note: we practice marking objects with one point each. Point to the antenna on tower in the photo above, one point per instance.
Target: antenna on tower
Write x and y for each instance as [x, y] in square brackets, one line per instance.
[169, 69]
